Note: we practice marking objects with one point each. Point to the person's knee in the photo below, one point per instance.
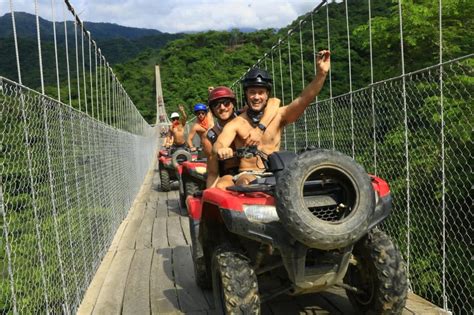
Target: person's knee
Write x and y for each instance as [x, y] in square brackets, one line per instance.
[224, 182]
[245, 179]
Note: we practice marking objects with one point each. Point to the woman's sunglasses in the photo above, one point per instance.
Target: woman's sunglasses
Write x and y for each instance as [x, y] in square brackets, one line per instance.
[225, 102]
[201, 112]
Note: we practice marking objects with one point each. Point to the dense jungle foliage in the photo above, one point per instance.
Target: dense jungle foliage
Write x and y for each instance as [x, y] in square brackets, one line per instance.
[189, 63]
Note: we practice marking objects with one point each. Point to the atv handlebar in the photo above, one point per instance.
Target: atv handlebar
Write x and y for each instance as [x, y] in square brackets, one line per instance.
[250, 151]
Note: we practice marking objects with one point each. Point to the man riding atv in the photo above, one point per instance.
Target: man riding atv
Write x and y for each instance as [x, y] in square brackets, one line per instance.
[257, 86]
[222, 103]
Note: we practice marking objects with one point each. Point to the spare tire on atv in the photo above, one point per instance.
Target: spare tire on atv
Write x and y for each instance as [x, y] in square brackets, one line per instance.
[324, 199]
[179, 157]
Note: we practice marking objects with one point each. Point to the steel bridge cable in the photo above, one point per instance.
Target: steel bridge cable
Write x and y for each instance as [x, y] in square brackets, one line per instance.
[443, 166]
[83, 68]
[291, 84]
[330, 79]
[350, 77]
[90, 73]
[40, 55]
[314, 63]
[407, 152]
[302, 82]
[282, 89]
[77, 64]
[55, 50]
[372, 97]
[5, 229]
[67, 57]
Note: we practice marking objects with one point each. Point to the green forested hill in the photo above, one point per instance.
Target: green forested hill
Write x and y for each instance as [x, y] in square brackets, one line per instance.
[190, 64]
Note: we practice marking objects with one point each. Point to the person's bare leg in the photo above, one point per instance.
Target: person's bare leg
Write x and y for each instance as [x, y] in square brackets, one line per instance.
[245, 179]
[224, 182]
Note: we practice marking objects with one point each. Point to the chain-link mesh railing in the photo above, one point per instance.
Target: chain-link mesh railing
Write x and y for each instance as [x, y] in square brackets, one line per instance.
[67, 183]
[69, 172]
[414, 130]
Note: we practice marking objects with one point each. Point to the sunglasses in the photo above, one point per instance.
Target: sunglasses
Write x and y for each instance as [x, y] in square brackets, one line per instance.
[175, 118]
[201, 112]
[225, 102]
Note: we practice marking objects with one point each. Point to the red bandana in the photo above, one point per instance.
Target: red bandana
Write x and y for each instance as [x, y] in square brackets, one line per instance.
[204, 123]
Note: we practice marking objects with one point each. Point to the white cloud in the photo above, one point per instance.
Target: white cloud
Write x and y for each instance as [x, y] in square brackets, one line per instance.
[177, 15]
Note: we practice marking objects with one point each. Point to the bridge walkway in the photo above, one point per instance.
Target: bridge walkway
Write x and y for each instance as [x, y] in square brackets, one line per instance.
[148, 269]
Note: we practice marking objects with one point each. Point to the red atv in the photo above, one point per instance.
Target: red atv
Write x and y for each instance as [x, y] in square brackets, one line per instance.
[169, 165]
[307, 224]
[193, 178]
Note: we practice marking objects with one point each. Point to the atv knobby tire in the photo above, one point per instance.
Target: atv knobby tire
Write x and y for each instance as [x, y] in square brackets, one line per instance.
[164, 178]
[234, 284]
[350, 181]
[201, 271]
[380, 275]
[190, 187]
[180, 154]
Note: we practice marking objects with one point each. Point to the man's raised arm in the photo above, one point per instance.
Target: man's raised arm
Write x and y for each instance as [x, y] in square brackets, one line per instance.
[184, 116]
[295, 109]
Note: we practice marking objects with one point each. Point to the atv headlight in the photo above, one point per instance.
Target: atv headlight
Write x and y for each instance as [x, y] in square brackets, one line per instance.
[261, 213]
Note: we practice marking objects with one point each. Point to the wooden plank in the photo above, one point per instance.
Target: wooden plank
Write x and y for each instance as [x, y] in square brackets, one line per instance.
[190, 295]
[135, 220]
[137, 292]
[162, 206]
[92, 293]
[185, 228]
[111, 294]
[160, 237]
[418, 305]
[163, 297]
[118, 235]
[145, 232]
[173, 204]
[175, 233]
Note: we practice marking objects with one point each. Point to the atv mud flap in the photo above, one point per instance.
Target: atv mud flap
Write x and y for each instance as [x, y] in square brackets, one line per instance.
[293, 253]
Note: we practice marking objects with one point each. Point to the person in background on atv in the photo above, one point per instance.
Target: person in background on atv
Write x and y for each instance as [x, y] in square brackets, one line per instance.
[221, 102]
[203, 122]
[177, 129]
[257, 85]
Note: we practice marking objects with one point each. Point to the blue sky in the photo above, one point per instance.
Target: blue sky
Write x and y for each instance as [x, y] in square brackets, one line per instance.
[177, 15]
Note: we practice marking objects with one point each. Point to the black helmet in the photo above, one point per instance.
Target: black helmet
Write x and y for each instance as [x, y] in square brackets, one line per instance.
[257, 77]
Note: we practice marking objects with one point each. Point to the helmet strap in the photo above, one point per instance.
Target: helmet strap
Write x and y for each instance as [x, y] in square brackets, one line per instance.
[255, 116]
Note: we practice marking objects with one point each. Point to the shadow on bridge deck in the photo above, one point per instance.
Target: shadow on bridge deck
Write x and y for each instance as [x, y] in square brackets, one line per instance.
[148, 269]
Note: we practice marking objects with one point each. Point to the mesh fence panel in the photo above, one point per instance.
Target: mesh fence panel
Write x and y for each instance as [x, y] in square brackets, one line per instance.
[67, 182]
[425, 153]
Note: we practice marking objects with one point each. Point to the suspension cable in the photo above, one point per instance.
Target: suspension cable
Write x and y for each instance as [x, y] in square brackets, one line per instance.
[40, 56]
[55, 50]
[443, 166]
[407, 157]
[372, 97]
[330, 80]
[350, 78]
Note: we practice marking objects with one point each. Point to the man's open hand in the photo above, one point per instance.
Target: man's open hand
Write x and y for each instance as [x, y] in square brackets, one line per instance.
[323, 61]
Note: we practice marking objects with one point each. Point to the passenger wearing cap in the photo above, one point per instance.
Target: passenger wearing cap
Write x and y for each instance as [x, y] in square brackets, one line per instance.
[176, 130]
[203, 122]
[222, 104]
[257, 85]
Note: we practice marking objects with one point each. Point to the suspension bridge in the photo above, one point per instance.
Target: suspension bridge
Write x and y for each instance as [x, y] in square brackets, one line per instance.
[85, 228]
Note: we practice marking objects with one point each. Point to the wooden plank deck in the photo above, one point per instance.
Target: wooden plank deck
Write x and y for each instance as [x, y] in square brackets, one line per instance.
[148, 269]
